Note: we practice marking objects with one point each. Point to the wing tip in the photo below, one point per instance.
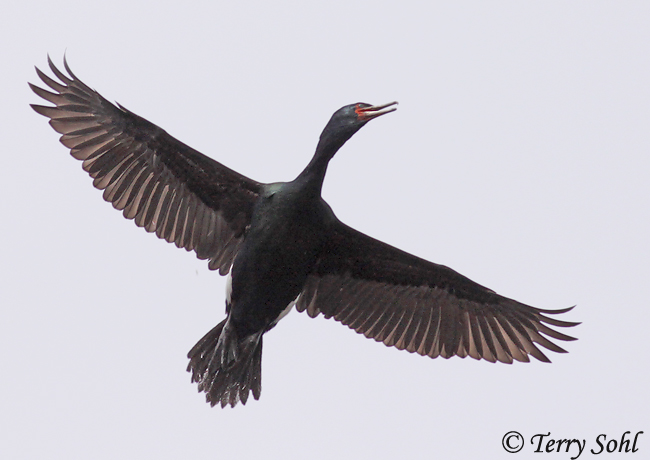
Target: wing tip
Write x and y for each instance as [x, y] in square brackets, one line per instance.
[557, 312]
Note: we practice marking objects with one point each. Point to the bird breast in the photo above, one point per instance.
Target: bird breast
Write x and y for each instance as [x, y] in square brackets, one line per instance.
[278, 253]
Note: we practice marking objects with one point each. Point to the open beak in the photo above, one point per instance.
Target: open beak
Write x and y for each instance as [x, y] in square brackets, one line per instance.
[374, 111]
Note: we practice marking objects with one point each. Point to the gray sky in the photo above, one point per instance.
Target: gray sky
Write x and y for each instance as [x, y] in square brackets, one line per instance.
[518, 156]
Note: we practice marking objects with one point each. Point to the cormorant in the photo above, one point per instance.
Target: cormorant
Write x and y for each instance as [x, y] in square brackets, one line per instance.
[282, 245]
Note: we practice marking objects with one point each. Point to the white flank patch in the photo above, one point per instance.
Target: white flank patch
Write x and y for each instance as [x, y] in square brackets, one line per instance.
[286, 311]
[229, 286]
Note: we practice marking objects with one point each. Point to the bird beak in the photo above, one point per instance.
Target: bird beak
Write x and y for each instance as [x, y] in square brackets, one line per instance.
[374, 111]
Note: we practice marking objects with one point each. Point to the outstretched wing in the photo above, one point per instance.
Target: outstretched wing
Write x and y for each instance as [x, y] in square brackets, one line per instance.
[164, 185]
[410, 303]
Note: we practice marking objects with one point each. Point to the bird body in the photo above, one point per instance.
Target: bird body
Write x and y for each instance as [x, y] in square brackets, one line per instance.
[265, 280]
[286, 233]
[281, 245]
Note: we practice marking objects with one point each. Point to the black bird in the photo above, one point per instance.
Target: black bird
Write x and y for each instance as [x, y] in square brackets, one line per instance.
[283, 246]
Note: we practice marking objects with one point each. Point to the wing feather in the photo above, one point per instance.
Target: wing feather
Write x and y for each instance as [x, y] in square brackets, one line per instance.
[410, 303]
[162, 184]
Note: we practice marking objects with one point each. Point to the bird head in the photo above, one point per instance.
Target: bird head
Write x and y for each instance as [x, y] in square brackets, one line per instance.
[357, 115]
[348, 120]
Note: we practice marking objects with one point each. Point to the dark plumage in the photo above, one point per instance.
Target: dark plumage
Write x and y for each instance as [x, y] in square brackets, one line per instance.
[283, 245]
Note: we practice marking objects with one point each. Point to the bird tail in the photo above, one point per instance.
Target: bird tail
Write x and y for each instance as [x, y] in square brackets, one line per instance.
[225, 367]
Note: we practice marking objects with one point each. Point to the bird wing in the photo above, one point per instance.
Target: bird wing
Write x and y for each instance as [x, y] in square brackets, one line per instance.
[409, 303]
[167, 187]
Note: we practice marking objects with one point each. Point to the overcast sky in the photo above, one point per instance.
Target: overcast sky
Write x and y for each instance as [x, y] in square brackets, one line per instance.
[519, 156]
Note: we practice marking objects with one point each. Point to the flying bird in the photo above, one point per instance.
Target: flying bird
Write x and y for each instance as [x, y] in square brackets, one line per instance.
[281, 245]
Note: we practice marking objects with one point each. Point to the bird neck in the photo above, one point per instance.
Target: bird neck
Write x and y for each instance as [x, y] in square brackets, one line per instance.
[314, 173]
